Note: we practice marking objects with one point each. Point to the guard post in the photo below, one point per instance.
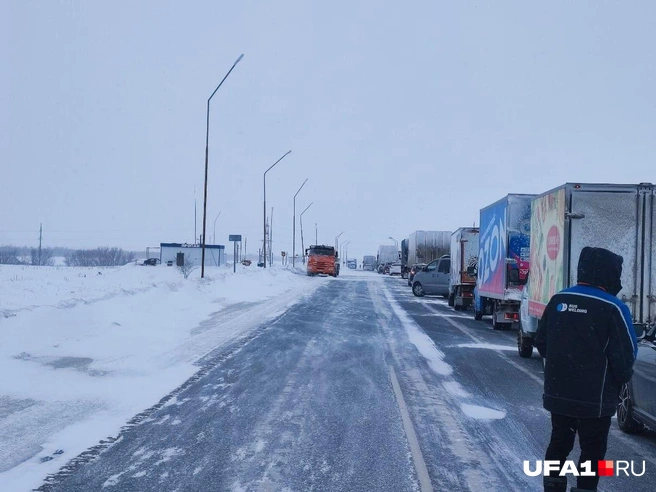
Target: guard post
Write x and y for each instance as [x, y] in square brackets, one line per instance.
[234, 238]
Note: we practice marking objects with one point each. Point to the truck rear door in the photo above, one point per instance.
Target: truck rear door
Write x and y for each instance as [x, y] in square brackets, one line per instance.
[650, 258]
[608, 219]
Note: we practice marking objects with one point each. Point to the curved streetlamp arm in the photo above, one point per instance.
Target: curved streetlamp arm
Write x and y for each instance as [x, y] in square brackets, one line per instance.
[273, 165]
[265, 173]
[207, 152]
[294, 226]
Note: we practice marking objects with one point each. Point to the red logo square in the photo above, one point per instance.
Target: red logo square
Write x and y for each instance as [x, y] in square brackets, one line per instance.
[605, 468]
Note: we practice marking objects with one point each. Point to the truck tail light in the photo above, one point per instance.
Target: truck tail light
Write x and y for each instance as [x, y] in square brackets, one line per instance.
[511, 316]
[467, 294]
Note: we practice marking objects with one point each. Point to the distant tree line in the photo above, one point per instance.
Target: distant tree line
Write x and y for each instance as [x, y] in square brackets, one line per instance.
[9, 256]
[99, 257]
[17, 255]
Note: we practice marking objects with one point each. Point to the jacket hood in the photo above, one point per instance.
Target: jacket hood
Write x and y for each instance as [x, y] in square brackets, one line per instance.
[600, 268]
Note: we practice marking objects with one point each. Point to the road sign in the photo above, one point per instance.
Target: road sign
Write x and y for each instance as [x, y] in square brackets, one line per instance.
[236, 238]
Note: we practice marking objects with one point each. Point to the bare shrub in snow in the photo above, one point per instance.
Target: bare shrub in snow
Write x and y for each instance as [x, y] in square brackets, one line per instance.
[44, 259]
[187, 268]
[9, 256]
[99, 257]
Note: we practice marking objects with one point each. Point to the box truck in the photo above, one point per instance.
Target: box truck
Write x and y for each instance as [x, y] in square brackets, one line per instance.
[387, 255]
[426, 246]
[369, 263]
[405, 268]
[503, 259]
[617, 217]
[464, 258]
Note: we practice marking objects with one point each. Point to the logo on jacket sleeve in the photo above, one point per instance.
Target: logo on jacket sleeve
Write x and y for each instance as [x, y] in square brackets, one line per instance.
[570, 308]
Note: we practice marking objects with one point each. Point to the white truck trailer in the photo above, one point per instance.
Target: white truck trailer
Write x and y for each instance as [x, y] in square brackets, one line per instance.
[617, 217]
[426, 246]
[464, 257]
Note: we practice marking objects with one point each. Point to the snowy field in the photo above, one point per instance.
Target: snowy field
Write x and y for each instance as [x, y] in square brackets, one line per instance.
[85, 349]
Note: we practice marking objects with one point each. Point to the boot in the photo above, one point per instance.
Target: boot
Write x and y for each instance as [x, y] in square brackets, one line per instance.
[576, 489]
[555, 484]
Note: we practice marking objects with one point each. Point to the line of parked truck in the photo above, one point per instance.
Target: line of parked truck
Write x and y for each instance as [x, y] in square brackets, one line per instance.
[527, 246]
[526, 249]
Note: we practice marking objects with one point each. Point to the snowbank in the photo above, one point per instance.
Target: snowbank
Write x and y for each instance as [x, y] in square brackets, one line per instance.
[85, 349]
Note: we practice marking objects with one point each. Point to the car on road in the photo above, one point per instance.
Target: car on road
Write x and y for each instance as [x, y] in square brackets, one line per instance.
[433, 279]
[395, 269]
[413, 271]
[637, 407]
[151, 261]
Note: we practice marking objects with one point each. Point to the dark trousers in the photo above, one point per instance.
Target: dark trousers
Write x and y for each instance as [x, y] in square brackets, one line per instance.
[593, 439]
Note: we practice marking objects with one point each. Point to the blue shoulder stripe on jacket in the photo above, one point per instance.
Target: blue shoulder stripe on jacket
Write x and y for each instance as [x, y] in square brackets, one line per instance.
[602, 295]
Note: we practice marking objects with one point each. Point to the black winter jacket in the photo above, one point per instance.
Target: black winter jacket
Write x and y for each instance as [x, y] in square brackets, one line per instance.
[587, 338]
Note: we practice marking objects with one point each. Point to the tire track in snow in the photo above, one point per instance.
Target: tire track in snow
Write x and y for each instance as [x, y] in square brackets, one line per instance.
[482, 458]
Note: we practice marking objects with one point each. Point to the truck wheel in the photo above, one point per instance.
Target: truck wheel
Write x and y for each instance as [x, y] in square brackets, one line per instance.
[625, 418]
[452, 300]
[524, 345]
[418, 290]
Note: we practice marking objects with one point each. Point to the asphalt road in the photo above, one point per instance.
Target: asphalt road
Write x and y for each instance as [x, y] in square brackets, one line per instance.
[363, 387]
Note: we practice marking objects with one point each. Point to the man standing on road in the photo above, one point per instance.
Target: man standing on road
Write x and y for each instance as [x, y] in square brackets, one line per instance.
[587, 339]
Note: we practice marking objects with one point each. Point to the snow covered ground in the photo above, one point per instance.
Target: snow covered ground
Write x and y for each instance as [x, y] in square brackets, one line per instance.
[85, 349]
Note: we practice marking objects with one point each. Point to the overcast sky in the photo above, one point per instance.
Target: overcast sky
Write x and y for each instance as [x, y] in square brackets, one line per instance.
[402, 115]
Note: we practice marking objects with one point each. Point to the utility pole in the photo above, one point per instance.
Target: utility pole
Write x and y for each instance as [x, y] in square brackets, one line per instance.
[294, 226]
[271, 239]
[40, 239]
[303, 244]
[264, 203]
[195, 219]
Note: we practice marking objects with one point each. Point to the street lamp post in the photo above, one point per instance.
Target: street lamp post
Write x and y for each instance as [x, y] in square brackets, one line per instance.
[294, 227]
[336, 238]
[265, 173]
[302, 244]
[214, 235]
[341, 256]
[346, 250]
[207, 151]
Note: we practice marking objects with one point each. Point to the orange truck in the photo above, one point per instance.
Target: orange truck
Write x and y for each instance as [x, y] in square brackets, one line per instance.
[322, 260]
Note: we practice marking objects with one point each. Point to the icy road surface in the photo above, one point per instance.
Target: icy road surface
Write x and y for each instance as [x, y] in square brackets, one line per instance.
[361, 387]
